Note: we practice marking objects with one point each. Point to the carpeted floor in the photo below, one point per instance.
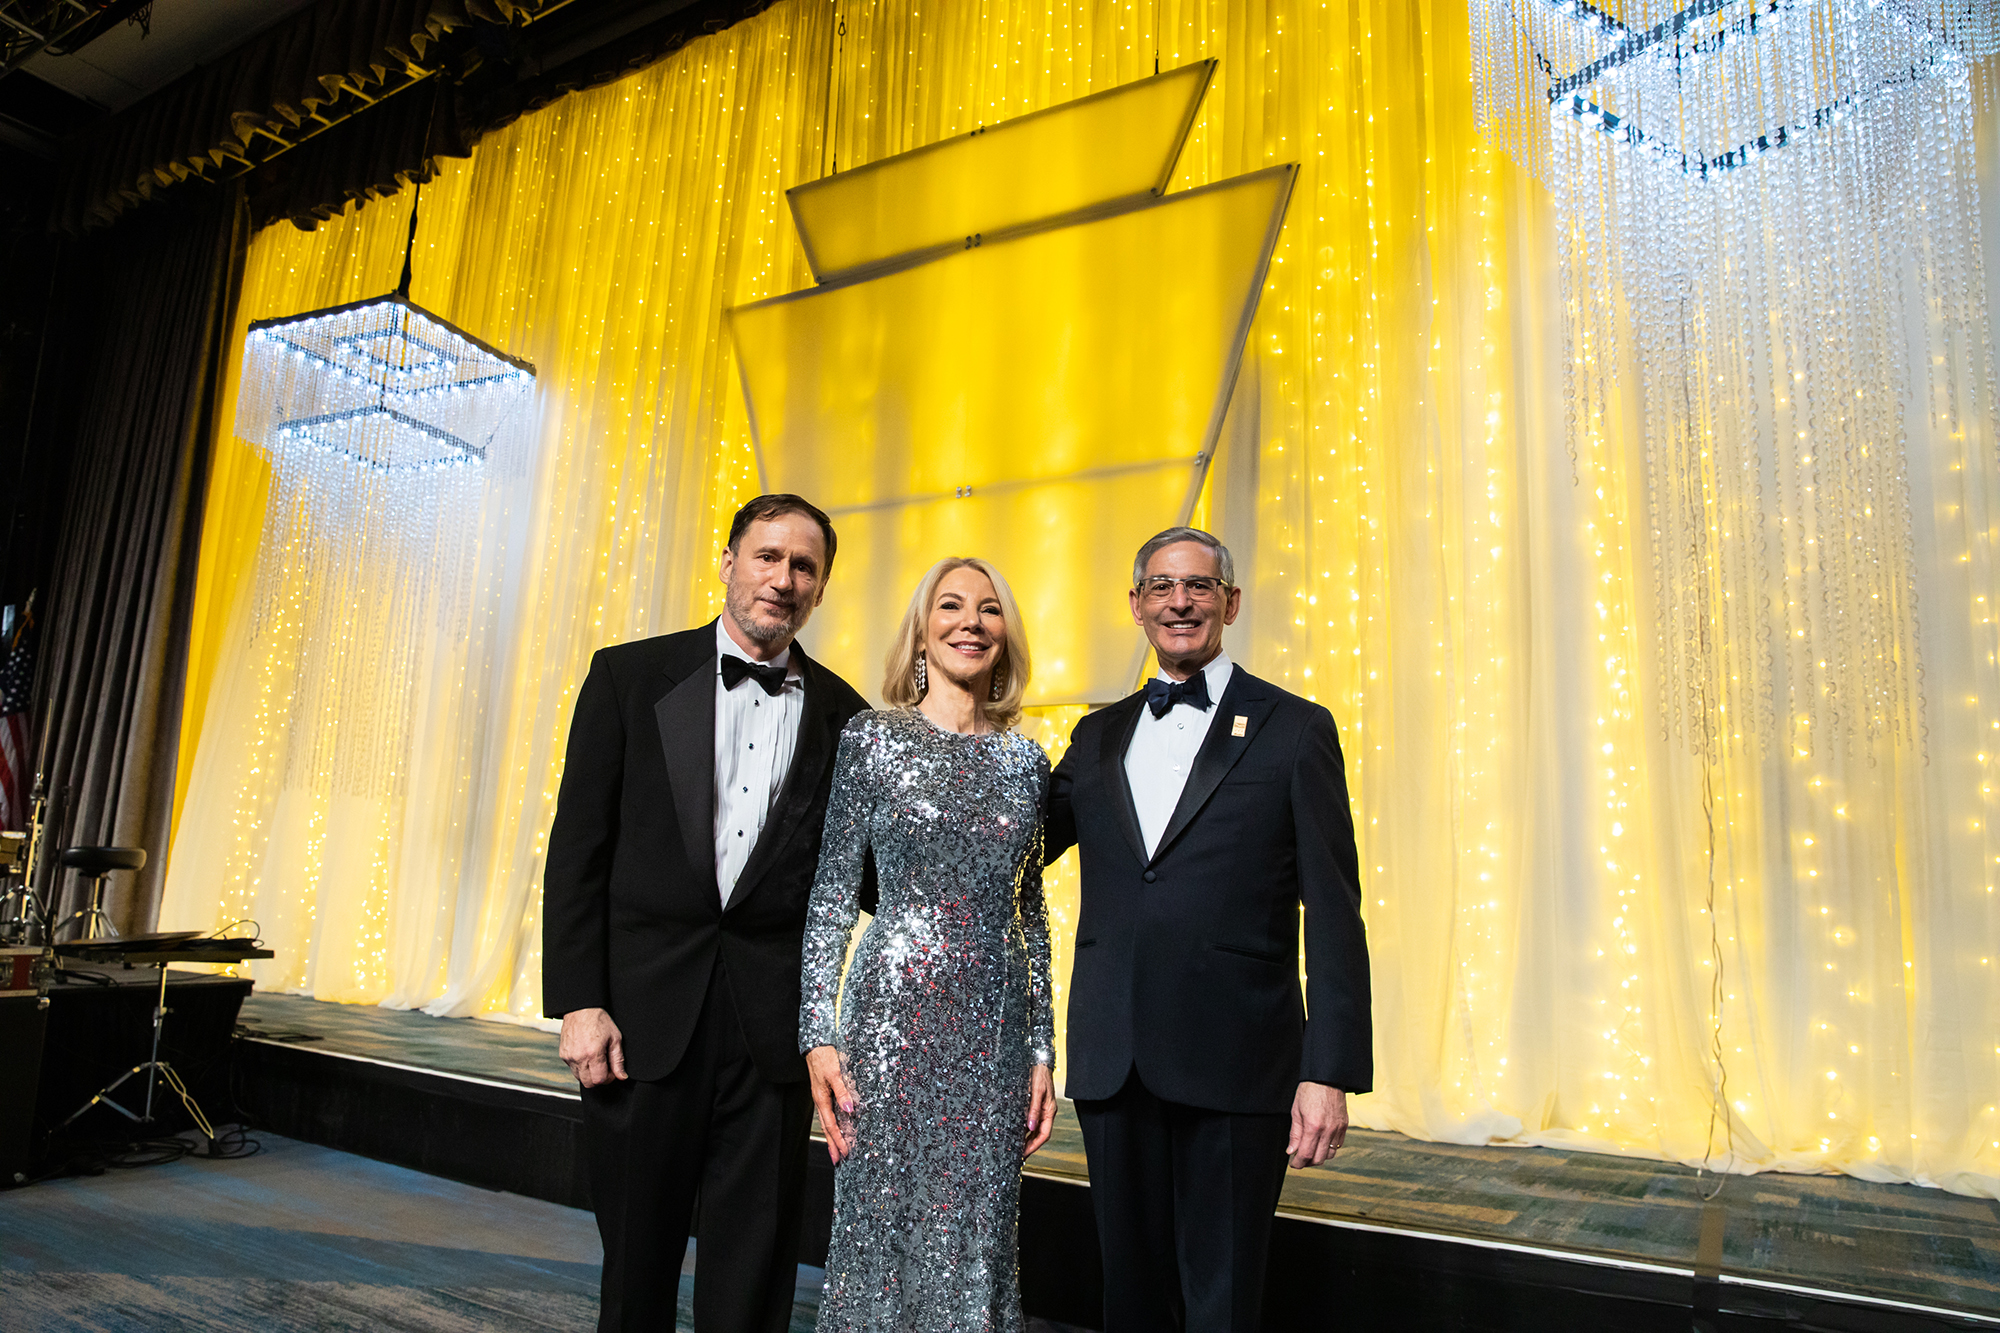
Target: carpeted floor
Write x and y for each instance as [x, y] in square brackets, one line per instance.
[300, 1238]
[303, 1239]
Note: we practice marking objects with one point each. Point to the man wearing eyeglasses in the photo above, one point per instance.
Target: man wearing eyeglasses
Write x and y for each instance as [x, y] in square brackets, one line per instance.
[1208, 808]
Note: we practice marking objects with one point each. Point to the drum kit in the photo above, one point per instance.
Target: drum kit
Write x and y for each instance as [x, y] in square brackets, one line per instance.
[32, 956]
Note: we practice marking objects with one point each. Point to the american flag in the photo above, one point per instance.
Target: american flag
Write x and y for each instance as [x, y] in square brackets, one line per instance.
[17, 687]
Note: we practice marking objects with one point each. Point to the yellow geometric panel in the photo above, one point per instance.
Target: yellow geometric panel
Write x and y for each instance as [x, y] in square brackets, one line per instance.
[1065, 546]
[1047, 401]
[1118, 144]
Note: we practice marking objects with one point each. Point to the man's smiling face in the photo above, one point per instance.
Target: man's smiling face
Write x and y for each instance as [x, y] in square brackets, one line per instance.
[774, 574]
[1185, 629]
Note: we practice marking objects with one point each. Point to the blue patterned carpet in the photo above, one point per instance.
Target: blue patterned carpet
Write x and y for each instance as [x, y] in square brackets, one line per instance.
[299, 1238]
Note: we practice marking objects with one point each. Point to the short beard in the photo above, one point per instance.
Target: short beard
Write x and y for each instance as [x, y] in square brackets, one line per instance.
[761, 634]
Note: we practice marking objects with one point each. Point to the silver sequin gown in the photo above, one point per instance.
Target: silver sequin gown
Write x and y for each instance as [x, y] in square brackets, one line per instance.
[946, 1010]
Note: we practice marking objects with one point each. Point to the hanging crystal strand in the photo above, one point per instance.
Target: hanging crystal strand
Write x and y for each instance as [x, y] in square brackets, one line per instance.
[1825, 659]
[1881, 189]
[1876, 181]
[1779, 259]
[1878, 509]
[1568, 192]
[1675, 443]
[1786, 251]
[1746, 427]
[1974, 321]
[1849, 682]
[1919, 307]
[1821, 662]
[1731, 628]
[1933, 169]
[1674, 321]
[1680, 319]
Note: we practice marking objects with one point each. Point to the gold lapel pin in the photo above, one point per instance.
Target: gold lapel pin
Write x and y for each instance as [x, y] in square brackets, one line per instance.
[1242, 725]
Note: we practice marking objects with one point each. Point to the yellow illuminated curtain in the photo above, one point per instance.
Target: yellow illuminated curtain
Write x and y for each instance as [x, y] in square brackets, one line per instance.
[1577, 932]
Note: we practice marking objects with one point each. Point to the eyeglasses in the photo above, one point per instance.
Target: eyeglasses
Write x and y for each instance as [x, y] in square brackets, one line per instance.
[1198, 589]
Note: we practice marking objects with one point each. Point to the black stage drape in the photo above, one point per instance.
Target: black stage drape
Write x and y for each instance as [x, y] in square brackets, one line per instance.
[118, 608]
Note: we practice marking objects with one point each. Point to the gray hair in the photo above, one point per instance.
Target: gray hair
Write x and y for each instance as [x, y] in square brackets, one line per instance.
[1223, 564]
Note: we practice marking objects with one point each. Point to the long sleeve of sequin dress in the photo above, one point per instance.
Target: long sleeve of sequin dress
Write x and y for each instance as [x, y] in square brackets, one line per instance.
[945, 1011]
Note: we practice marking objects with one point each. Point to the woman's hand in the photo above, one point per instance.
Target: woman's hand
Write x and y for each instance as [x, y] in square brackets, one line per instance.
[1041, 1108]
[830, 1087]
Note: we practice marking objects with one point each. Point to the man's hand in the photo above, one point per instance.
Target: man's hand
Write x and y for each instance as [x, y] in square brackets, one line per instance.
[1041, 1108]
[1319, 1124]
[830, 1085]
[592, 1046]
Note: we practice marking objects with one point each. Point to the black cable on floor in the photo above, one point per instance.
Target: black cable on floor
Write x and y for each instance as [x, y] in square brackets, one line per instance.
[69, 1157]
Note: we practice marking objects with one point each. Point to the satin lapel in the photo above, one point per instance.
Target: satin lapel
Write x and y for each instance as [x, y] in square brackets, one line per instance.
[810, 756]
[686, 717]
[1243, 697]
[1117, 738]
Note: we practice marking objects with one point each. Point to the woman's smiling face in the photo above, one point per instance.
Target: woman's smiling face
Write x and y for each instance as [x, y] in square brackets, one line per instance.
[967, 632]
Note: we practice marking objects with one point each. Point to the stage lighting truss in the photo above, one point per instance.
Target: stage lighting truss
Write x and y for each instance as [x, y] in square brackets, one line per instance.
[382, 385]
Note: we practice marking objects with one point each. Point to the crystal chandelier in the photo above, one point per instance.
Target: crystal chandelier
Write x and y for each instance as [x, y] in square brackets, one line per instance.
[381, 385]
[390, 434]
[1767, 209]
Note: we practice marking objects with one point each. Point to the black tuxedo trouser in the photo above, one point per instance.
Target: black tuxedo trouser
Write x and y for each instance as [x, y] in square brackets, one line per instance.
[1184, 1199]
[717, 1129]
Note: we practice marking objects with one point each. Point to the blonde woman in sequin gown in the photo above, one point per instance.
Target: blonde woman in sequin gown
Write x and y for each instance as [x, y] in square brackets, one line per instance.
[934, 1079]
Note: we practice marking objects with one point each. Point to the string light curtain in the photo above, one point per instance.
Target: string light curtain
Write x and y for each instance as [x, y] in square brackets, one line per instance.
[1424, 554]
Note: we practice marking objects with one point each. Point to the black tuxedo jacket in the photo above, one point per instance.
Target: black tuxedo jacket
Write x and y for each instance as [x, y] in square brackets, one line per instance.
[632, 919]
[1187, 961]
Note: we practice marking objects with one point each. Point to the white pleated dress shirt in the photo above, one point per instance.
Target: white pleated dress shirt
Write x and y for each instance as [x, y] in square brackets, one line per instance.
[755, 734]
[1161, 755]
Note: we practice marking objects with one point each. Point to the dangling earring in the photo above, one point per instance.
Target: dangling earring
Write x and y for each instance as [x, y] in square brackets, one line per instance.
[923, 677]
[999, 682]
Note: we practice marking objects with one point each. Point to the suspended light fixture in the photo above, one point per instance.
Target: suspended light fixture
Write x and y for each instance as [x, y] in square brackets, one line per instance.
[1767, 209]
[390, 433]
[381, 384]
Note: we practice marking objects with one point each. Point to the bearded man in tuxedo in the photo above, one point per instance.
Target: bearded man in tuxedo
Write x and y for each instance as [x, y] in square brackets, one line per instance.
[1208, 808]
[686, 838]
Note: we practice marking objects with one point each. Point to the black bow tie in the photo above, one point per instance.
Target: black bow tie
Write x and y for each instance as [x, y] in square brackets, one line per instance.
[735, 669]
[1162, 695]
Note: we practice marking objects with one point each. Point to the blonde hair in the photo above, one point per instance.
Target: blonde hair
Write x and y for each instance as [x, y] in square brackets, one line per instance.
[899, 671]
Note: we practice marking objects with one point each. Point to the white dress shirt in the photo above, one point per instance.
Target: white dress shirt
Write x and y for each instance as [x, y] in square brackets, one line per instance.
[1161, 755]
[755, 734]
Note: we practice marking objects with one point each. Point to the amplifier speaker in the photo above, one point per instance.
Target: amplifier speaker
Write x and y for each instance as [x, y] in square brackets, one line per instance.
[24, 1022]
